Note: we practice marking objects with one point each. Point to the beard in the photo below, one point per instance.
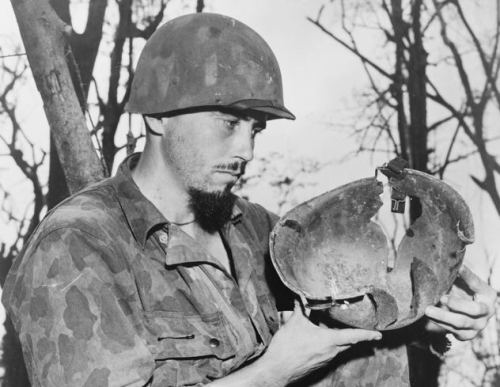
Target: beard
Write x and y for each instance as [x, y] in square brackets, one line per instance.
[211, 209]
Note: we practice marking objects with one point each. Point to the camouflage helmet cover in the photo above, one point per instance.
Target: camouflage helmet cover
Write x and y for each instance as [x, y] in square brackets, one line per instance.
[207, 60]
[329, 251]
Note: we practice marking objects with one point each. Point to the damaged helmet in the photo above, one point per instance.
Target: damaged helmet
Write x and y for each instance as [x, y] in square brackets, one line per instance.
[331, 252]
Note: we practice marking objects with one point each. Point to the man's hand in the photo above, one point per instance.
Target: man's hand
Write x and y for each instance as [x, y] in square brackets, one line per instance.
[300, 346]
[462, 314]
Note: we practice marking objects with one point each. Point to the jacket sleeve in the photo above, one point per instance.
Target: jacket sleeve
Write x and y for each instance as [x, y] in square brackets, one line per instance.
[71, 300]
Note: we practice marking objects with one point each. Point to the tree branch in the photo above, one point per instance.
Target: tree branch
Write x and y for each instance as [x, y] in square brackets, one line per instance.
[440, 122]
[487, 65]
[30, 171]
[95, 20]
[363, 58]
[200, 4]
[447, 161]
[456, 56]
[146, 32]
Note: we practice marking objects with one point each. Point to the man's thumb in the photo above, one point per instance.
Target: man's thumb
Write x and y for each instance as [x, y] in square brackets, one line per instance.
[351, 336]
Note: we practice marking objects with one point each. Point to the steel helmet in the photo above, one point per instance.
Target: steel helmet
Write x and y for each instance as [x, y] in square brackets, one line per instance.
[206, 60]
[330, 252]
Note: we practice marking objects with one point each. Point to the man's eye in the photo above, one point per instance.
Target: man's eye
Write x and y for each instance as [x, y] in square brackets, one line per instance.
[231, 124]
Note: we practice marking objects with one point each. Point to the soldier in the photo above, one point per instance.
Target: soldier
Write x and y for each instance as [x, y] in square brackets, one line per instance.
[160, 276]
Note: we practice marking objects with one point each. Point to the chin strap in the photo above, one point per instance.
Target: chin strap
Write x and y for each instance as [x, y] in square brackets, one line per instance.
[395, 169]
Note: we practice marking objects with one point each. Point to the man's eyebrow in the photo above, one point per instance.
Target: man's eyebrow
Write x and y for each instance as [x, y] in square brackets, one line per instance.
[261, 123]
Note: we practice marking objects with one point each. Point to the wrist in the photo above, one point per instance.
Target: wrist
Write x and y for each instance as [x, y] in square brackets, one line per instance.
[272, 372]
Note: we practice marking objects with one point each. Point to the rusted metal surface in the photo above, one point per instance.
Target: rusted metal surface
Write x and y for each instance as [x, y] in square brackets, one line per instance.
[330, 252]
[207, 60]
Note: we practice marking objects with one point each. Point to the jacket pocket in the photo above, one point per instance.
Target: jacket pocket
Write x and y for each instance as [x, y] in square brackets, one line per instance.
[177, 336]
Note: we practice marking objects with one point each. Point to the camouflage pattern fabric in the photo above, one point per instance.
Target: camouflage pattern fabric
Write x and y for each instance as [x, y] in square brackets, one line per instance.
[364, 366]
[108, 293]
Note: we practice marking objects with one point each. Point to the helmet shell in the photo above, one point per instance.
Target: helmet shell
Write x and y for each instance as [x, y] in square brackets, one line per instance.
[206, 60]
[329, 251]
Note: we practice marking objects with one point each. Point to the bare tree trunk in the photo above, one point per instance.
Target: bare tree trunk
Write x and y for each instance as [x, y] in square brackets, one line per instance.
[200, 4]
[43, 34]
[417, 81]
[424, 368]
[84, 48]
[399, 27]
[44, 38]
[58, 189]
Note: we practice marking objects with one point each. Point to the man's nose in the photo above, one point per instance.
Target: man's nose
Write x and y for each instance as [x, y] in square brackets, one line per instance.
[244, 142]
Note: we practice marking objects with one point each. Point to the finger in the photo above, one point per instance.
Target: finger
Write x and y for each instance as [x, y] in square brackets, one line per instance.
[297, 306]
[473, 281]
[351, 336]
[285, 316]
[482, 291]
[459, 334]
[465, 306]
[299, 310]
[453, 319]
[434, 327]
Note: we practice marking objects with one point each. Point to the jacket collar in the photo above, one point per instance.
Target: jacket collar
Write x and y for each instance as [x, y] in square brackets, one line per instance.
[142, 215]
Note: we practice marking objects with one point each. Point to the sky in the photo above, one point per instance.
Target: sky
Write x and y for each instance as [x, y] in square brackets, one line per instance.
[322, 86]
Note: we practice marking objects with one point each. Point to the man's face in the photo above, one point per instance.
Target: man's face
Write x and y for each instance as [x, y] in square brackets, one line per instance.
[208, 151]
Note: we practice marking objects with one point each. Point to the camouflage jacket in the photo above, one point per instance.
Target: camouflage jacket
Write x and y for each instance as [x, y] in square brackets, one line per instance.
[108, 293]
